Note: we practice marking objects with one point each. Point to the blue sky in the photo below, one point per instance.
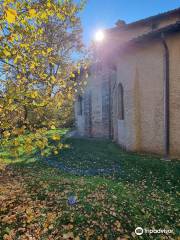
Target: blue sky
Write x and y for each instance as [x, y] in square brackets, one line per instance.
[100, 14]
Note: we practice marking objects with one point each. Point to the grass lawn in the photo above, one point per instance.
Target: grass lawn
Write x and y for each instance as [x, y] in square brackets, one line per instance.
[33, 196]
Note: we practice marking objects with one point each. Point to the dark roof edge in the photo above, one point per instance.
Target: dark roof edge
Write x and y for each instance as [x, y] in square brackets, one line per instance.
[145, 20]
[154, 35]
[158, 16]
[166, 30]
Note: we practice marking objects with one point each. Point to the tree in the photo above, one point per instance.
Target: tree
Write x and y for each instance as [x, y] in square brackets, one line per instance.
[37, 41]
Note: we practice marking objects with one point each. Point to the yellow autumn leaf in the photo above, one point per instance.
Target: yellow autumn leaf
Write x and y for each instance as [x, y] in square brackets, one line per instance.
[16, 143]
[72, 75]
[55, 152]
[69, 96]
[11, 38]
[49, 50]
[56, 137]
[32, 12]
[30, 218]
[6, 53]
[32, 66]
[43, 15]
[49, 4]
[53, 79]
[6, 134]
[11, 15]
[34, 94]
[51, 217]
[23, 45]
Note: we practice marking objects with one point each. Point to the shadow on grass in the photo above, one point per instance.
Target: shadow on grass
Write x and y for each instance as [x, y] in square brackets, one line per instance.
[137, 199]
[103, 158]
[141, 193]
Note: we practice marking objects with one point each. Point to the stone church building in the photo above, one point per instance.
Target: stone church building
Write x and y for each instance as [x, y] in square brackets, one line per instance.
[133, 89]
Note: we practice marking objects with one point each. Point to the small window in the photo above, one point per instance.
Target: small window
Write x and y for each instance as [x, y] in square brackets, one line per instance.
[80, 110]
[120, 102]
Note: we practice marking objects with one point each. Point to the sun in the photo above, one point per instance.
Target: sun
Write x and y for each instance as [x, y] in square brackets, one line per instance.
[99, 36]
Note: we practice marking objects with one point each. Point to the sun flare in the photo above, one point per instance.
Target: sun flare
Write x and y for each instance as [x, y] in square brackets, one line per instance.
[99, 36]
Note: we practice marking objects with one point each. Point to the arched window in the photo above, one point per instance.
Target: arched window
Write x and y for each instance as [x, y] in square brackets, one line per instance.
[120, 102]
[80, 110]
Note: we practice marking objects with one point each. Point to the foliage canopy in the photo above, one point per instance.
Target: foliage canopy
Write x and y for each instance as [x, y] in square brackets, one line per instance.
[37, 72]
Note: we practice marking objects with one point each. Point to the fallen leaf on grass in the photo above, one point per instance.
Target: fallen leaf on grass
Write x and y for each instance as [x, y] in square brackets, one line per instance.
[68, 235]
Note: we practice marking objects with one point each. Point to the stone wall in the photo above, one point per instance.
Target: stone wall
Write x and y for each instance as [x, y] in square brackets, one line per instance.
[141, 71]
[174, 51]
[141, 74]
[95, 120]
